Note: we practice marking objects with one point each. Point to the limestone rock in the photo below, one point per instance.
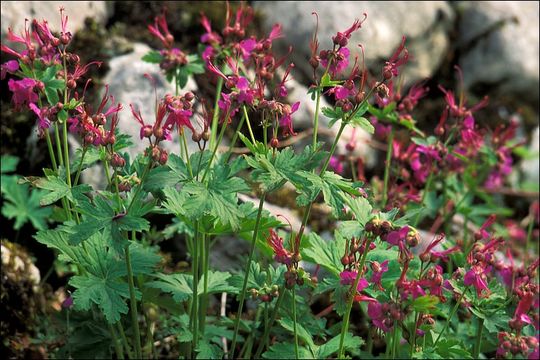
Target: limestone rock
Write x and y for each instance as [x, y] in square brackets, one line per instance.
[501, 47]
[14, 13]
[425, 24]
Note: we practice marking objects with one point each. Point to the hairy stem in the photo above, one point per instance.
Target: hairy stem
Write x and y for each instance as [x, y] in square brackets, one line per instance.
[275, 312]
[246, 276]
[133, 304]
[215, 116]
[293, 291]
[387, 167]
[51, 151]
[451, 316]
[116, 342]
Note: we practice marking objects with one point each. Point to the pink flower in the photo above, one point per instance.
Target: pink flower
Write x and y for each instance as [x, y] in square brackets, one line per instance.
[476, 277]
[210, 37]
[43, 123]
[282, 255]
[161, 31]
[391, 66]
[286, 121]
[378, 271]
[378, 316]
[8, 67]
[348, 277]
[336, 164]
[340, 62]
[23, 91]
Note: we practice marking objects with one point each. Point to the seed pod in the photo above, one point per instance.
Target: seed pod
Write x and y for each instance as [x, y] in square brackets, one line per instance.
[196, 137]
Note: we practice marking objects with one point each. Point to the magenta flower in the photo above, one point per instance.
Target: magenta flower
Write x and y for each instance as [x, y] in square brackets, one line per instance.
[340, 62]
[524, 305]
[23, 91]
[391, 66]
[161, 31]
[378, 271]
[336, 164]
[378, 316]
[476, 277]
[210, 37]
[8, 67]
[348, 277]
[43, 123]
[286, 121]
[398, 237]
[282, 255]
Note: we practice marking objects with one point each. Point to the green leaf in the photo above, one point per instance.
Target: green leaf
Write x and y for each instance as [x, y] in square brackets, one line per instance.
[361, 209]
[107, 293]
[303, 334]
[325, 253]
[206, 350]
[425, 304]
[334, 114]
[286, 351]
[23, 205]
[362, 122]
[350, 343]
[8, 164]
[58, 189]
[153, 57]
[333, 187]
[180, 286]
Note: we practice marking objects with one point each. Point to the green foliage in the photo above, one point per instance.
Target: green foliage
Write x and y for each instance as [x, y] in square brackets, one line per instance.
[180, 285]
[20, 202]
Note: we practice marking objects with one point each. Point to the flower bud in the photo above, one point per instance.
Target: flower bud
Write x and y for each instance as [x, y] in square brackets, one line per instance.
[300, 281]
[254, 293]
[206, 135]
[289, 283]
[117, 160]
[65, 38]
[265, 298]
[314, 62]
[274, 142]
[147, 131]
[163, 157]
[196, 137]
[158, 133]
[345, 260]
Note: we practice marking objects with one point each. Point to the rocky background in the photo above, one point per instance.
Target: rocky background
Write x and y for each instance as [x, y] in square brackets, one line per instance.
[495, 43]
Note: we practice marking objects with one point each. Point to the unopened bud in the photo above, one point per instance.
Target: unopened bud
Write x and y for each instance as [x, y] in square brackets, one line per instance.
[206, 135]
[163, 157]
[274, 142]
[196, 137]
[71, 84]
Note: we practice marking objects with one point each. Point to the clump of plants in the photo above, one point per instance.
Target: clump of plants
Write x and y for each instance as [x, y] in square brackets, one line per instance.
[424, 287]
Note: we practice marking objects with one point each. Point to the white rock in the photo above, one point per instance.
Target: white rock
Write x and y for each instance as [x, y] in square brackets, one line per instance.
[14, 13]
[425, 25]
[505, 56]
[531, 167]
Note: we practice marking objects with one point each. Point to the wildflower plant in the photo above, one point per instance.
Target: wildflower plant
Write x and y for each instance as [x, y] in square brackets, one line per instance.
[413, 288]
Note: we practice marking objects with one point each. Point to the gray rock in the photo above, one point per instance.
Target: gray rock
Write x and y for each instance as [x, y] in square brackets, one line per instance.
[501, 43]
[14, 13]
[425, 25]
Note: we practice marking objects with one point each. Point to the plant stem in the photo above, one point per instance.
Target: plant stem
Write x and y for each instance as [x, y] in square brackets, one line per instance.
[333, 148]
[293, 291]
[272, 320]
[221, 133]
[188, 161]
[316, 118]
[195, 300]
[247, 271]
[478, 342]
[66, 154]
[387, 167]
[451, 316]
[215, 116]
[76, 181]
[58, 146]
[248, 124]
[528, 240]
[394, 339]
[117, 346]
[51, 151]
[124, 340]
[235, 137]
[350, 302]
[133, 303]
[205, 247]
